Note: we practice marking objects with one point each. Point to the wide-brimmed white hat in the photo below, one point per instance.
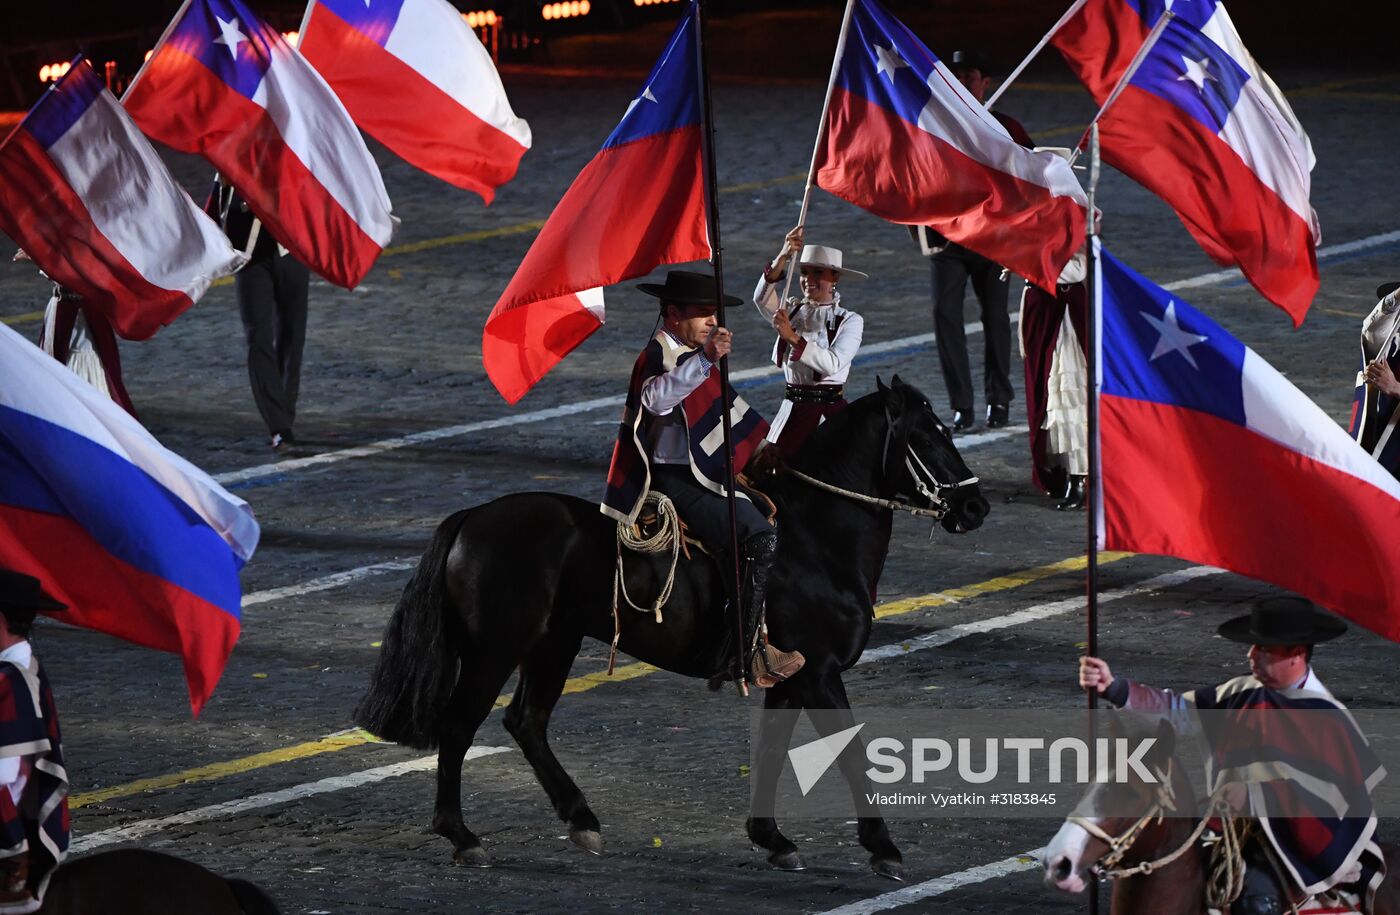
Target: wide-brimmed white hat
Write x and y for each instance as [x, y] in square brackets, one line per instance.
[830, 258]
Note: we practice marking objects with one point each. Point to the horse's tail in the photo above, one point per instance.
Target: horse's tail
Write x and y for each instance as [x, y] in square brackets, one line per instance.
[417, 667]
[251, 899]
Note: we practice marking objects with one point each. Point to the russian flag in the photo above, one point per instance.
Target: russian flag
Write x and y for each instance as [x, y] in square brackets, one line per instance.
[85, 194]
[1210, 455]
[417, 79]
[638, 204]
[137, 541]
[907, 142]
[224, 84]
[1205, 132]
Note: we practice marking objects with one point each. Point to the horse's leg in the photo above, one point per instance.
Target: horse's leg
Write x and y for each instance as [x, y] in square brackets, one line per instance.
[780, 716]
[830, 712]
[473, 697]
[542, 677]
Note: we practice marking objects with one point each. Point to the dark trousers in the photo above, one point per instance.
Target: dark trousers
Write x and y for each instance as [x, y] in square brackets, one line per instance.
[952, 268]
[272, 302]
[704, 512]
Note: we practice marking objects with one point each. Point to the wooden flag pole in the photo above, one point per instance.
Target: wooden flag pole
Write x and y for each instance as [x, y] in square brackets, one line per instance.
[707, 164]
[1141, 55]
[821, 138]
[1040, 46]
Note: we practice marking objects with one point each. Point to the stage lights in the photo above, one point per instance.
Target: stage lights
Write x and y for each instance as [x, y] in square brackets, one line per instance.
[566, 10]
[52, 73]
[477, 19]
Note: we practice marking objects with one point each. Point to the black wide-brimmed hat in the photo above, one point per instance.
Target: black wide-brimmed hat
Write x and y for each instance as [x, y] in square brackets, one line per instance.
[22, 592]
[1385, 289]
[1283, 620]
[973, 60]
[687, 287]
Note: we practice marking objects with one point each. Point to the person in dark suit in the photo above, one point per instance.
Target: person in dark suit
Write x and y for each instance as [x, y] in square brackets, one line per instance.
[272, 301]
[953, 267]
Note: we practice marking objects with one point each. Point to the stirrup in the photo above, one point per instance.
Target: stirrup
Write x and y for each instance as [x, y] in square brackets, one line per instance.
[771, 666]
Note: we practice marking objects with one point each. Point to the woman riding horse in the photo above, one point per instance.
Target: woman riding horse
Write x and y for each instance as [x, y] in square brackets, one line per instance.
[518, 583]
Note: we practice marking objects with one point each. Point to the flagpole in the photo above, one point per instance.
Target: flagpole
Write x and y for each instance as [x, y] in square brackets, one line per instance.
[1006, 83]
[1092, 361]
[305, 20]
[821, 137]
[1141, 55]
[170, 27]
[707, 162]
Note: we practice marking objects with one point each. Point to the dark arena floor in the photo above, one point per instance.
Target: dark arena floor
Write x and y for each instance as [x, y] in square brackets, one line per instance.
[398, 426]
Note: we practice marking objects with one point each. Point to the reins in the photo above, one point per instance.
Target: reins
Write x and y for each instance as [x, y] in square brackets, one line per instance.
[1226, 877]
[925, 483]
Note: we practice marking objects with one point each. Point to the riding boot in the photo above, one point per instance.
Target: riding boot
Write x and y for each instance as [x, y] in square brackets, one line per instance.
[1074, 494]
[766, 666]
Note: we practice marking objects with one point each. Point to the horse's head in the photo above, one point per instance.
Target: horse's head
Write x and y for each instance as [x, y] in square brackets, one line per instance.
[921, 465]
[1092, 841]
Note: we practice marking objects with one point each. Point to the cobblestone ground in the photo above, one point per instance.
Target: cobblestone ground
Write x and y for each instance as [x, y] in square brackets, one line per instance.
[659, 757]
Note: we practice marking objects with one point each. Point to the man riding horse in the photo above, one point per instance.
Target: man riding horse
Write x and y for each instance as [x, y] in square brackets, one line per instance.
[670, 440]
[1311, 855]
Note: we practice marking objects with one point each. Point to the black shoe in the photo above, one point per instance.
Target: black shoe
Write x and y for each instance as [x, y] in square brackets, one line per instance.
[1074, 495]
[998, 414]
[282, 439]
[962, 420]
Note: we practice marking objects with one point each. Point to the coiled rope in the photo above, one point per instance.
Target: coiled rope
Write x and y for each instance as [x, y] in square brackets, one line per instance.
[665, 536]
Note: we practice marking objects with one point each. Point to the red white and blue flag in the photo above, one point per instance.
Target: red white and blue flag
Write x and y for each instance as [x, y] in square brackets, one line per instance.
[1207, 133]
[226, 85]
[1211, 455]
[137, 541]
[85, 194]
[637, 205]
[416, 78]
[907, 142]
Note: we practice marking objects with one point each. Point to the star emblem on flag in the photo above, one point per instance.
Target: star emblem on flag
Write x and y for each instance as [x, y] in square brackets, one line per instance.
[1172, 338]
[230, 35]
[646, 96]
[1197, 72]
[888, 61]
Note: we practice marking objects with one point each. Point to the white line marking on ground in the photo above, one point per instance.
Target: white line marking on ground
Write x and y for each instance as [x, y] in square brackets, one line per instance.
[142, 828]
[1029, 615]
[940, 885]
[327, 582]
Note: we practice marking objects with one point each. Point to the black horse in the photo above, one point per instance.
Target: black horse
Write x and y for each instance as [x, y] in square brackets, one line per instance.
[519, 582]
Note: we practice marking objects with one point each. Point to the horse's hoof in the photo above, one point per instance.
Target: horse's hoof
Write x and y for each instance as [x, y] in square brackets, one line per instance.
[891, 868]
[587, 839]
[471, 857]
[787, 861]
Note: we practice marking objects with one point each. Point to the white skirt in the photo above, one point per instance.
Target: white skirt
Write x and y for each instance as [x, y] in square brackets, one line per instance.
[1066, 404]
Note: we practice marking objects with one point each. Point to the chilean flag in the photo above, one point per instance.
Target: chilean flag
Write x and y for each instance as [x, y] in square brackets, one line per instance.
[417, 79]
[85, 194]
[907, 142]
[638, 204]
[1205, 132]
[137, 541]
[224, 84]
[1210, 455]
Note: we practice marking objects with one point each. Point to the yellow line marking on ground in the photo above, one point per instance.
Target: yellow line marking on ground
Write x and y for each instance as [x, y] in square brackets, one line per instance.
[221, 769]
[21, 319]
[1341, 312]
[579, 684]
[992, 586]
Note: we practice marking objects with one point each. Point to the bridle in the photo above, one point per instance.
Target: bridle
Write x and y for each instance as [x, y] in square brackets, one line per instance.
[926, 484]
[1164, 802]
